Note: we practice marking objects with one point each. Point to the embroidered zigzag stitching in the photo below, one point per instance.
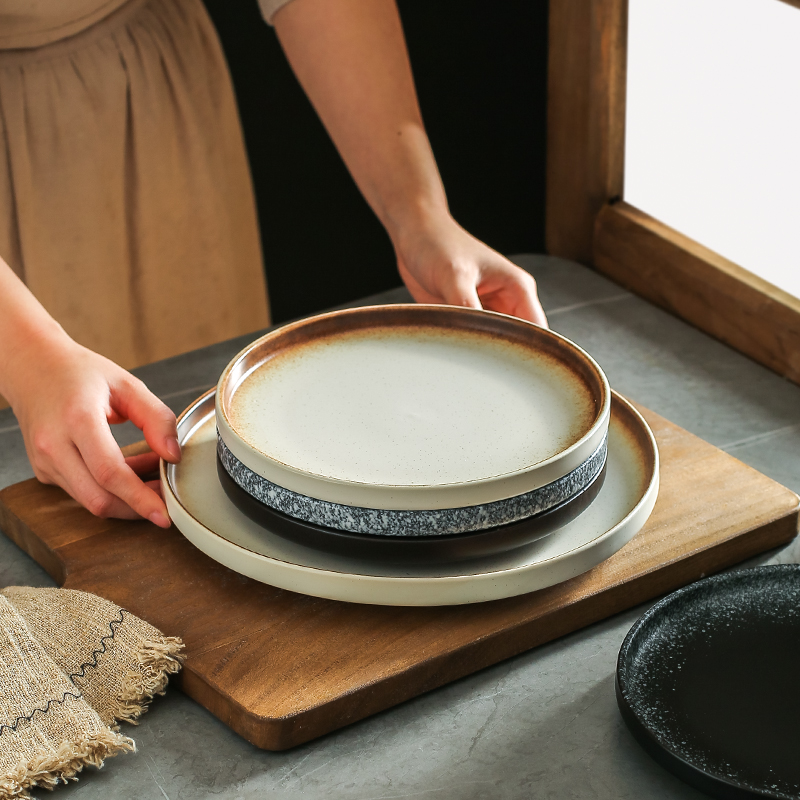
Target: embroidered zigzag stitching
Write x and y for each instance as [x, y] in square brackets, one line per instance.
[81, 673]
[44, 710]
[112, 626]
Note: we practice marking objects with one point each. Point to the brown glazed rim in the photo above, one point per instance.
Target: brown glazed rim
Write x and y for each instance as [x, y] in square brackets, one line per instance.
[488, 323]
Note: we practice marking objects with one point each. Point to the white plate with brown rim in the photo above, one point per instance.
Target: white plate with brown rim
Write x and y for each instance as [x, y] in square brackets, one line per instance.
[202, 511]
[408, 410]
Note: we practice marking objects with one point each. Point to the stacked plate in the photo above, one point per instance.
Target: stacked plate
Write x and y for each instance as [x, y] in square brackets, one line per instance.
[411, 441]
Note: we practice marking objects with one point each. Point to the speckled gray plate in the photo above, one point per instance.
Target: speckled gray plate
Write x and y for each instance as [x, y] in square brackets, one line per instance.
[427, 550]
[412, 408]
[707, 682]
[437, 523]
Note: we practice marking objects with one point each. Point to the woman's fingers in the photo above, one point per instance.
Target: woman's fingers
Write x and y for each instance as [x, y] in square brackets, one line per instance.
[106, 465]
[74, 477]
[65, 465]
[510, 290]
[496, 286]
[64, 408]
[156, 487]
[442, 263]
[132, 399]
[144, 463]
[461, 288]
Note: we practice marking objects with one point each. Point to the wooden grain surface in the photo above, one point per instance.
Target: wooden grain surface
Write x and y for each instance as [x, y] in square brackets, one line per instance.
[282, 668]
[587, 60]
[585, 176]
[693, 282]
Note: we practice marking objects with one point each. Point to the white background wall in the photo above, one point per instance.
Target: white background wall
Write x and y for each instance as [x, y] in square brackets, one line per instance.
[713, 127]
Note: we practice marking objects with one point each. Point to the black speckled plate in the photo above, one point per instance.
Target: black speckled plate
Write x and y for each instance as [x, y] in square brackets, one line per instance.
[708, 681]
[412, 549]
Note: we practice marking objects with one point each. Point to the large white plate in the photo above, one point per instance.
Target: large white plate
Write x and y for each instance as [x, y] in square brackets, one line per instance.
[202, 512]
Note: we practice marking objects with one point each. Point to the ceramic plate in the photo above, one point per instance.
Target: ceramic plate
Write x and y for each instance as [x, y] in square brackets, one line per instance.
[412, 407]
[412, 549]
[393, 523]
[201, 510]
[707, 683]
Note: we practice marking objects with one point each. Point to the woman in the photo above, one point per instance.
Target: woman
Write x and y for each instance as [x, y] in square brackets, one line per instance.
[164, 250]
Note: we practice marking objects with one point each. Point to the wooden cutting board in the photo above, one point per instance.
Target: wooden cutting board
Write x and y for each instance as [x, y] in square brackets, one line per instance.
[282, 668]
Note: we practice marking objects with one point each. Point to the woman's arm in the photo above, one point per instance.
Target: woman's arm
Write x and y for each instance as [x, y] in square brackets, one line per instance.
[65, 397]
[351, 59]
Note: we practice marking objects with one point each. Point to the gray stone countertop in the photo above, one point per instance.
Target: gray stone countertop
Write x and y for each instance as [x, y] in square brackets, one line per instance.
[541, 725]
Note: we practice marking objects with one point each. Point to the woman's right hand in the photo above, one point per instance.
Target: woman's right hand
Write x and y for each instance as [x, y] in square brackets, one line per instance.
[65, 399]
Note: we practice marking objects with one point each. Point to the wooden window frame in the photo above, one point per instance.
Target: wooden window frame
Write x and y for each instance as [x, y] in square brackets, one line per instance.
[587, 219]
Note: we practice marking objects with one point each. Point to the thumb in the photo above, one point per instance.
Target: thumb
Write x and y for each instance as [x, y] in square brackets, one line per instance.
[133, 400]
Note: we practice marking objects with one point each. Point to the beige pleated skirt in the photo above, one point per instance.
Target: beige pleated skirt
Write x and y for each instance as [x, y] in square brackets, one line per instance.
[126, 203]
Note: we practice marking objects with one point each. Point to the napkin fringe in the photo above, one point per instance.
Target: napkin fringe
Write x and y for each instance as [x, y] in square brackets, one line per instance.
[158, 659]
[52, 768]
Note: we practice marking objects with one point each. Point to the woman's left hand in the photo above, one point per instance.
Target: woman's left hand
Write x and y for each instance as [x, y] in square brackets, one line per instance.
[440, 262]
[350, 57]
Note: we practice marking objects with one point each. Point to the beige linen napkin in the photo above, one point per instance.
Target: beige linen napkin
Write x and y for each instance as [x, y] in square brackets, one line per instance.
[71, 666]
[47, 730]
[118, 661]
